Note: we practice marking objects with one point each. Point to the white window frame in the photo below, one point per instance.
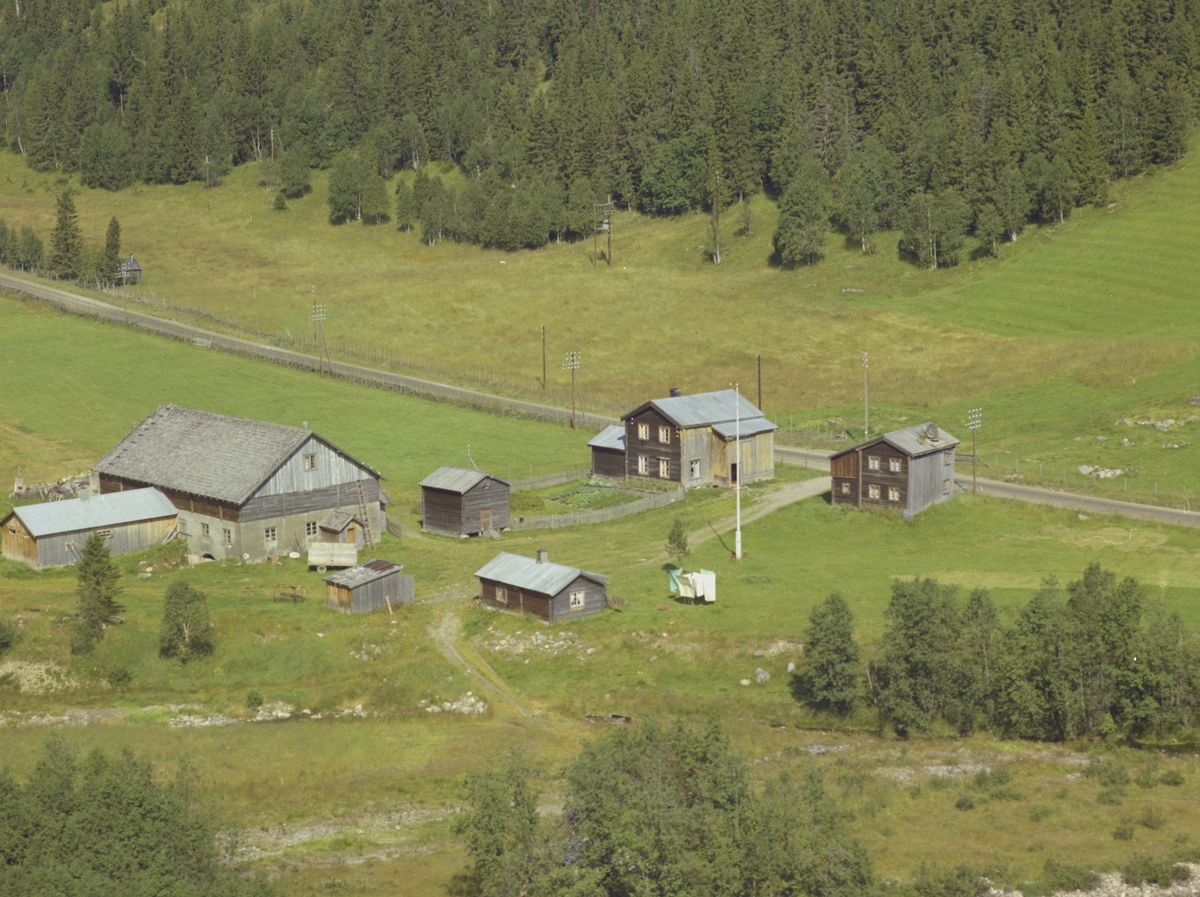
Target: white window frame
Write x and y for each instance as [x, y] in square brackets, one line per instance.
[845, 488]
[644, 432]
[205, 532]
[310, 461]
[501, 594]
[893, 493]
[664, 468]
[578, 599]
[894, 465]
[664, 435]
[310, 528]
[644, 465]
[872, 462]
[226, 537]
[873, 490]
[695, 468]
[271, 535]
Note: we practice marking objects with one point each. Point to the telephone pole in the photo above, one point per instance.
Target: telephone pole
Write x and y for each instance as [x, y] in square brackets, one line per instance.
[866, 421]
[737, 486]
[207, 184]
[573, 363]
[974, 422]
[543, 358]
[318, 319]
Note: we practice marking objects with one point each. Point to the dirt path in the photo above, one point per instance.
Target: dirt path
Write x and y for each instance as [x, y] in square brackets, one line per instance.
[445, 636]
[764, 504]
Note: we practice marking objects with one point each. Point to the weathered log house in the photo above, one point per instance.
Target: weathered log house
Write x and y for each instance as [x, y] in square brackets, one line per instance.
[608, 453]
[460, 502]
[907, 470]
[691, 440]
[243, 488]
[53, 534]
[534, 585]
[368, 587]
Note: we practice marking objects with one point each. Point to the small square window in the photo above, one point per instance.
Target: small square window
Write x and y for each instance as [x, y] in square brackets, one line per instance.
[105, 533]
[227, 537]
[893, 493]
[872, 490]
[945, 487]
[577, 600]
[643, 431]
[269, 535]
[310, 528]
[204, 531]
[664, 435]
[872, 462]
[845, 488]
[695, 469]
[949, 458]
[664, 469]
[894, 465]
[310, 462]
[643, 465]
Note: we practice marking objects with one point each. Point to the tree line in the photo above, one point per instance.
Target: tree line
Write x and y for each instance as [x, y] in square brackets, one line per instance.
[933, 119]
[1096, 658]
[69, 257]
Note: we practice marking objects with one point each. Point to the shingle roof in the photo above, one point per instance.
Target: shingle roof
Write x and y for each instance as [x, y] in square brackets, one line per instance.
[611, 437]
[97, 512]
[703, 408]
[526, 573]
[456, 479]
[206, 454]
[364, 573]
[336, 521]
[913, 441]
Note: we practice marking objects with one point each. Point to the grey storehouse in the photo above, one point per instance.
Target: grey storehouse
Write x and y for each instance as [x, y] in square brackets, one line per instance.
[244, 488]
[368, 587]
[907, 470]
[460, 502]
[53, 534]
[534, 585]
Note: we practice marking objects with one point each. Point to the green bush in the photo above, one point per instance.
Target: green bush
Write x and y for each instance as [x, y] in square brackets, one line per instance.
[1040, 813]
[1147, 776]
[8, 637]
[1110, 773]
[941, 783]
[254, 700]
[957, 881]
[1153, 818]
[1172, 777]
[1123, 831]
[1007, 792]
[965, 802]
[118, 677]
[1058, 876]
[1110, 797]
[1143, 869]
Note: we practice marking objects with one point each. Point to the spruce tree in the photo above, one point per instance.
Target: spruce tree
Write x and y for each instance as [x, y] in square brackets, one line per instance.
[832, 676]
[66, 242]
[803, 215]
[294, 174]
[111, 259]
[405, 213]
[97, 578]
[677, 541]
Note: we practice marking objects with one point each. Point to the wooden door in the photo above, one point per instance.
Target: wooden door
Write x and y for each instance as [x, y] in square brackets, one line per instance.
[733, 474]
[485, 520]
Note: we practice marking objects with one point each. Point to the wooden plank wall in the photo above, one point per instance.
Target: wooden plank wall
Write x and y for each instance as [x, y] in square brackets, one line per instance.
[331, 469]
[18, 545]
[652, 448]
[560, 604]
[928, 473]
[441, 511]
[487, 493]
[608, 463]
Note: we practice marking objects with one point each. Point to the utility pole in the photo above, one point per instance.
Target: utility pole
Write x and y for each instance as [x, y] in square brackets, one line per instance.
[207, 183]
[716, 257]
[737, 486]
[318, 319]
[543, 358]
[572, 364]
[866, 421]
[759, 381]
[974, 422]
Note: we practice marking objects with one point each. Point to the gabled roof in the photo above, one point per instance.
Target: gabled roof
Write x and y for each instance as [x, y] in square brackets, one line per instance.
[97, 512]
[526, 573]
[913, 441]
[456, 479]
[207, 454]
[611, 437]
[336, 521]
[729, 429]
[364, 573]
[702, 409]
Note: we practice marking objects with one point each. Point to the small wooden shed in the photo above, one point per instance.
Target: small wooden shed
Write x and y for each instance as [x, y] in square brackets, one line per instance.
[368, 587]
[342, 527]
[906, 470]
[53, 534]
[608, 453]
[534, 585]
[460, 502]
[129, 271]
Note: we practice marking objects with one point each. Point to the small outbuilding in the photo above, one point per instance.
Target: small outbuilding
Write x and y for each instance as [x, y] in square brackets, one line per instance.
[456, 501]
[53, 534]
[534, 585]
[342, 527]
[368, 587]
[129, 271]
[608, 453]
[907, 470]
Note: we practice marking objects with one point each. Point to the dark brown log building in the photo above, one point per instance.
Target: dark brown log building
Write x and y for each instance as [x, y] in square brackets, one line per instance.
[907, 470]
[460, 502]
[552, 591]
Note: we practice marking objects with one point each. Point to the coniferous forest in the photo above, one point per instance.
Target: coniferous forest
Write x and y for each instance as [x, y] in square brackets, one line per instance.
[938, 118]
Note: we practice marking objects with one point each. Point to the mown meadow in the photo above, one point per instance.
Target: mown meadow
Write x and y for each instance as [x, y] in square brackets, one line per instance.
[655, 655]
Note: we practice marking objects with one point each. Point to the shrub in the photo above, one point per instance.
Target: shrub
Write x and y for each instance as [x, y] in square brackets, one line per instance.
[958, 881]
[1153, 818]
[1143, 869]
[941, 783]
[1147, 776]
[965, 802]
[1040, 813]
[1172, 777]
[118, 677]
[1110, 797]
[1007, 792]
[254, 700]
[1066, 877]
[1123, 831]
[186, 631]
[1109, 773]
[8, 637]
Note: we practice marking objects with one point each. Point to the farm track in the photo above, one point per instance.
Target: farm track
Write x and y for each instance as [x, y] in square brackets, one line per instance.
[74, 303]
[445, 636]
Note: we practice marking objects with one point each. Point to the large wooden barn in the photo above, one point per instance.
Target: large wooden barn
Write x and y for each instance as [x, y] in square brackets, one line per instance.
[53, 534]
[691, 440]
[460, 502]
[368, 587]
[534, 585]
[608, 453]
[907, 470]
[244, 488]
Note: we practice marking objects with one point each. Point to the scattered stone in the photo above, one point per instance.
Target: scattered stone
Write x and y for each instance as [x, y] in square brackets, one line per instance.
[1079, 439]
[1174, 445]
[1101, 438]
[744, 682]
[1125, 442]
[760, 653]
[761, 676]
[143, 574]
[468, 704]
[1084, 517]
[791, 667]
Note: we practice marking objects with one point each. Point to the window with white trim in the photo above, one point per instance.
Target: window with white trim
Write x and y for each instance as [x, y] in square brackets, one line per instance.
[643, 465]
[893, 493]
[104, 533]
[695, 468]
[578, 599]
[310, 527]
[644, 431]
[894, 465]
[872, 462]
[845, 488]
[664, 469]
[872, 490]
[310, 462]
[204, 532]
[227, 537]
[270, 535]
[664, 435]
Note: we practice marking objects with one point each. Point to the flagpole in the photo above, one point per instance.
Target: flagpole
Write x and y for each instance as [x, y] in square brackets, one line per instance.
[737, 539]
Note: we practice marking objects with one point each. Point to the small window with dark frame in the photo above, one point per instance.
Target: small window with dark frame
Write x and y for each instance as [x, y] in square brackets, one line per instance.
[872, 462]
[310, 462]
[894, 465]
[664, 435]
[578, 599]
[269, 535]
[310, 528]
[893, 493]
[104, 533]
[872, 490]
[644, 431]
[949, 458]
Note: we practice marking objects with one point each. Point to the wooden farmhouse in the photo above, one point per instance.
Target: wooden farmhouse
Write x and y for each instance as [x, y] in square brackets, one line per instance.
[129, 271]
[53, 534]
[691, 440]
[368, 587]
[460, 502]
[243, 488]
[608, 453]
[534, 585]
[907, 470]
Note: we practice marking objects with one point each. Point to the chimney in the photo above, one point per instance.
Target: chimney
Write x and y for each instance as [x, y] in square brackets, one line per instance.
[85, 493]
[676, 392]
[306, 425]
[931, 431]
[542, 555]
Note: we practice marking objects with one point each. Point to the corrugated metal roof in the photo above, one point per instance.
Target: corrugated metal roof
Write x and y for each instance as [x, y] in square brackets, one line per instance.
[913, 441]
[456, 479]
[97, 512]
[703, 408]
[206, 454]
[526, 573]
[611, 437]
[752, 427]
[364, 573]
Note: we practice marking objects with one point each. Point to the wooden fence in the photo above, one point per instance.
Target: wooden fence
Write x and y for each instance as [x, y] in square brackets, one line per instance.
[585, 518]
[550, 479]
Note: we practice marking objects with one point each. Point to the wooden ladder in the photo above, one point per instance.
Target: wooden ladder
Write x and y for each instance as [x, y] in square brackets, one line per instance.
[368, 538]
